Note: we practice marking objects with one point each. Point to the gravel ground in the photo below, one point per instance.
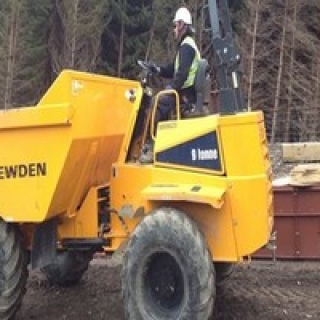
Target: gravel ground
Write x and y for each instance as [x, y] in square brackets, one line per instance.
[259, 290]
[279, 168]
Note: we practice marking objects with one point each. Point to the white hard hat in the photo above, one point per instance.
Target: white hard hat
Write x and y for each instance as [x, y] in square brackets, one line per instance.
[183, 14]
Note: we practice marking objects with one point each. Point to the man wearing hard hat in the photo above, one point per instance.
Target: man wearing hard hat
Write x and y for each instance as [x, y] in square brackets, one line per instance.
[182, 71]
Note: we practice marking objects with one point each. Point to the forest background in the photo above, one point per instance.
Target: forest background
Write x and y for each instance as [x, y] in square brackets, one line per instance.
[279, 42]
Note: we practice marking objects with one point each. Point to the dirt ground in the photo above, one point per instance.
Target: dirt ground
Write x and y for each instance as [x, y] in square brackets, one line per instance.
[259, 290]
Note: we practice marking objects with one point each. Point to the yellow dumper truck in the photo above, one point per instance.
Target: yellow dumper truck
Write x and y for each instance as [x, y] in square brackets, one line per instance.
[71, 184]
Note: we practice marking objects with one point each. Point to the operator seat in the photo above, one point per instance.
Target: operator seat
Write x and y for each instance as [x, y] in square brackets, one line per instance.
[202, 85]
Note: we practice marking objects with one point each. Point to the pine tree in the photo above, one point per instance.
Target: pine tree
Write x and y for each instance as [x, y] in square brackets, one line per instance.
[75, 34]
[23, 55]
[4, 42]
[127, 34]
[9, 37]
[280, 45]
[34, 74]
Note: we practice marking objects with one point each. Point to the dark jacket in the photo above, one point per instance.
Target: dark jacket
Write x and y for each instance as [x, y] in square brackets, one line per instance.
[186, 55]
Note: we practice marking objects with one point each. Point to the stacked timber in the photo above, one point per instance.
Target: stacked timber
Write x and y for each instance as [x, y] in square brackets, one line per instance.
[306, 157]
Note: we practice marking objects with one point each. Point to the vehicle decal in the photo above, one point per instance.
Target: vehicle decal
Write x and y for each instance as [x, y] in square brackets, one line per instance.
[201, 152]
[23, 170]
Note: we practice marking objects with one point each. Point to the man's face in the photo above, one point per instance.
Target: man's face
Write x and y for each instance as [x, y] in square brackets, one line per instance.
[178, 28]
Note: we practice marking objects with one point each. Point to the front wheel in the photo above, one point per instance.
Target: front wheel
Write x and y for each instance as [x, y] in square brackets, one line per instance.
[13, 270]
[167, 270]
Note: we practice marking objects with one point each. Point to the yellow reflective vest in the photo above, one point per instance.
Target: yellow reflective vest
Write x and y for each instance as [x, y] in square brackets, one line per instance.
[194, 66]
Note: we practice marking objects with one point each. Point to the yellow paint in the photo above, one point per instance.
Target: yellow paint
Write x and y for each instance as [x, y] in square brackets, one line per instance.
[84, 222]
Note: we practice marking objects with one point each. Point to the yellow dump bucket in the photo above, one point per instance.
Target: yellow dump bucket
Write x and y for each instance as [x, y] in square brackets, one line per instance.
[53, 152]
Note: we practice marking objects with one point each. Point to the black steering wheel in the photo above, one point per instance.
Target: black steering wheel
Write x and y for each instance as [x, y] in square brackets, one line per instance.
[148, 66]
[147, 71]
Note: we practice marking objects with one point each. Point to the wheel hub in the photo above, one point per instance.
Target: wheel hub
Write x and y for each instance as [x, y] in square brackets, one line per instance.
[163, 281]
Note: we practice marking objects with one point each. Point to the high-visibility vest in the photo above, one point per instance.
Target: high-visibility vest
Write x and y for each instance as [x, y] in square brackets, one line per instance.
[194, 66]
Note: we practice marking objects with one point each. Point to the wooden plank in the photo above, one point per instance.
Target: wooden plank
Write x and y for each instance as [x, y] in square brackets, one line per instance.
[305, 175]
[300, 152]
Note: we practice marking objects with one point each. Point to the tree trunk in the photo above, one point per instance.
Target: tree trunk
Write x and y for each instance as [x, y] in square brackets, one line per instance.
[279, 77]
[314, 117]
[317, 96]
[74, 33]
[253, 53]
[121, 42]
[291, 75]
[13, 31]
[149, 46]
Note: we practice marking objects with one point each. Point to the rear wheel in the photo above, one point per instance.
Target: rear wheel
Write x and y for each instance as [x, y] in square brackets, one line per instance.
[223, 272]
[167, 270]
[13, 270]
[69, 267]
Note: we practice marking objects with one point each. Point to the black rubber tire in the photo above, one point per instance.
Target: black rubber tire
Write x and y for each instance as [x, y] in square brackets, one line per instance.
[167, 270]
[13, 270]
[223, 271]
[69, 268]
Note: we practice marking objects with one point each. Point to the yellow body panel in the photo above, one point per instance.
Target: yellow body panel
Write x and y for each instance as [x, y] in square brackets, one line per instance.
[232, 205]
[62, 147]
[85, 222]
[212, 196]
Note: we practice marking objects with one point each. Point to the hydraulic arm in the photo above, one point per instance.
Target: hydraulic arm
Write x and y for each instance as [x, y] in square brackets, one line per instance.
[226, 58]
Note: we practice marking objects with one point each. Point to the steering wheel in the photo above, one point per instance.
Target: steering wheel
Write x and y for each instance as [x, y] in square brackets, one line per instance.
[145, 65]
